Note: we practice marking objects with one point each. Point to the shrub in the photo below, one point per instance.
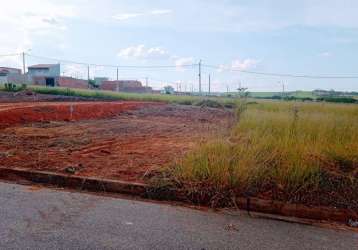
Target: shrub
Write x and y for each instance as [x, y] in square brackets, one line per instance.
[209, 103]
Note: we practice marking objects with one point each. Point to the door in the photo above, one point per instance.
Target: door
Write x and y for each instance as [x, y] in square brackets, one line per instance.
[50, 82]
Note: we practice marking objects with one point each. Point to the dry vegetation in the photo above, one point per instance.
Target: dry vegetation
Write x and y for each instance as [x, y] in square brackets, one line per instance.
[297, 152]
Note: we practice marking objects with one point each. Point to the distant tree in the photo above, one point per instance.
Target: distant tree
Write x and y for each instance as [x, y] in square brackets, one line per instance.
[93, 84]
[169, 90]
[242, 92]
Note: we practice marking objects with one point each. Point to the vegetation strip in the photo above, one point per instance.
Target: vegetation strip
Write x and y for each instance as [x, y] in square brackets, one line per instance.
[227, 102]
[146, 191]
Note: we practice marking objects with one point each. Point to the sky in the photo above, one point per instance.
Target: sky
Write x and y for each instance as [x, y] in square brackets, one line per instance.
[309, 37]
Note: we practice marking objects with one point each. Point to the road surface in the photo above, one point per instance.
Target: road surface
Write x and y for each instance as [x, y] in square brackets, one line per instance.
[34, 218]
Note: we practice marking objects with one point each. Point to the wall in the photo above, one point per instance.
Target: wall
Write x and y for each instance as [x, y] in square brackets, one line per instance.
[53, 71]
[38, 80]
[70, 82]
[17, 78]
[125, 86]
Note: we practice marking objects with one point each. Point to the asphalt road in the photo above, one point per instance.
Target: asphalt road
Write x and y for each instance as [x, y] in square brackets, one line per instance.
[51, 219]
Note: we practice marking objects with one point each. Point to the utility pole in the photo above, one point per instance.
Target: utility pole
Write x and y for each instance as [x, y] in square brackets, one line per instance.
[283, 89]
[200, 77]
[23, 63]
[117, 73]
[88, 75]
[209, 84]
[146, 82]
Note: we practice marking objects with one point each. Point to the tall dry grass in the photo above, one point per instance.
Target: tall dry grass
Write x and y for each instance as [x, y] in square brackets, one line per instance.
[282, 150]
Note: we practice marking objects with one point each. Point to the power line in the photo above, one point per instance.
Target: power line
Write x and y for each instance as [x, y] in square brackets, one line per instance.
[284, 75]
[109, 65]
[118, 67]
[8, 55]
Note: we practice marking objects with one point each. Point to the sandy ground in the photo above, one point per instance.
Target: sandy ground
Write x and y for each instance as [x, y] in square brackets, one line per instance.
[118, 140]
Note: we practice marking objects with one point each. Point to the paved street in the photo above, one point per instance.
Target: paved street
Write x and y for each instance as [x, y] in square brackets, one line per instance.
[48, 219]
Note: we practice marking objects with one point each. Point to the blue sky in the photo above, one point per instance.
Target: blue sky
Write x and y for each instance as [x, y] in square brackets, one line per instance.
[300, 37]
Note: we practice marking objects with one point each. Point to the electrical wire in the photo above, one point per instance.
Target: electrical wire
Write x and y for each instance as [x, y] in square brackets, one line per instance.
[193, 65]
[110, 65]
[281, 74]
[8, 55]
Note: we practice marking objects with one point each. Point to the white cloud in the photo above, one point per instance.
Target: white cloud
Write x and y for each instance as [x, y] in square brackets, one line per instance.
[35, 19]
[325, 54]
[142, 52]
[182, 61]
[127, 16]
[246, 64]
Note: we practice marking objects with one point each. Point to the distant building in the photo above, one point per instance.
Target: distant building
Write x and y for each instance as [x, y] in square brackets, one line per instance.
[11, 75]
[50, 75]
[98, 80]
[44, 74]
[131, 86]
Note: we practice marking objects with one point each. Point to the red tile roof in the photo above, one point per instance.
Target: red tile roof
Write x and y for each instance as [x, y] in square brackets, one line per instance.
[42, 66]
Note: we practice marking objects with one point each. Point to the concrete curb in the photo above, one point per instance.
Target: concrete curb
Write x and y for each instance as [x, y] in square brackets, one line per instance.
[146, 191]
[321, 213]
[74, 182]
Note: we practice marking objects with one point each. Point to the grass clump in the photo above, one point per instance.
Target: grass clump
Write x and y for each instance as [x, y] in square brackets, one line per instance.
[209, 103]
[297, 152]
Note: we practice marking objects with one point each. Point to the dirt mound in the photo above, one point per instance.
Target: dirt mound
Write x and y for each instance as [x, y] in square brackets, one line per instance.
[20, 113]
[24, 93]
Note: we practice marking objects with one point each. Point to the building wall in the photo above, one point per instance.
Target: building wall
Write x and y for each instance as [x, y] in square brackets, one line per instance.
[53, 71]
[3, 79]
[39, 80]
[62, 81]
[11, 75]
[17, 78]
[125, 86]
[70, 82]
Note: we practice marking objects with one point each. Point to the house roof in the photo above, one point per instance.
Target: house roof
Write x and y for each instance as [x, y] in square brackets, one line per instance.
[42, 66]
[8, 70]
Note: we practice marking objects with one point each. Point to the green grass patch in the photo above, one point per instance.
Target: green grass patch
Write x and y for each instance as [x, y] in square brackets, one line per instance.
[291, 151]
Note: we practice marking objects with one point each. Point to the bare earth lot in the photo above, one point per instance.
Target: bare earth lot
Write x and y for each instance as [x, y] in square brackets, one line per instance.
[29, 96]
[118, 140]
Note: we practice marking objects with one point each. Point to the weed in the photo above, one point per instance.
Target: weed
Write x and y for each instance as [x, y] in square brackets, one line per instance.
[280, 150]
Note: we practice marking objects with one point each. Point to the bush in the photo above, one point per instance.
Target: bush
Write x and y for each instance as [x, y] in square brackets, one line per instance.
[338, 99]
[209, 103]
[11, 87]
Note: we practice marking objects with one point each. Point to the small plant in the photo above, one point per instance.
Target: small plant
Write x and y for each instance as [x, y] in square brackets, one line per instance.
[10, 87]
[209, 103]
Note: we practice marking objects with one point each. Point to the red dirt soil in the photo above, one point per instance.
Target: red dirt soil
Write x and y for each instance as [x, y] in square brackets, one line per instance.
[137, 139]
[20, 113]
